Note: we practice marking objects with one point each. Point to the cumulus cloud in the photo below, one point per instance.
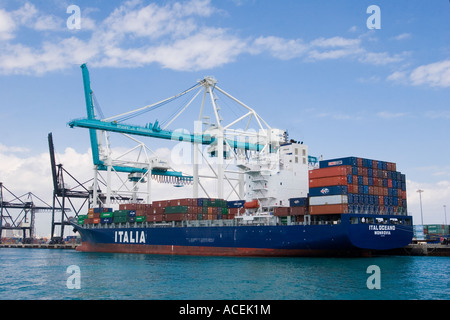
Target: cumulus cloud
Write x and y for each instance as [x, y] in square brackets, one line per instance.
[435, 74]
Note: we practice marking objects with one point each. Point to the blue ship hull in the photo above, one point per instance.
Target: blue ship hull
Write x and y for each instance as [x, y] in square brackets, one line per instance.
[345, 238]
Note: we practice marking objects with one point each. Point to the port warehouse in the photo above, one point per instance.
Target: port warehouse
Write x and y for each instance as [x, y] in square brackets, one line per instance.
[338, 186]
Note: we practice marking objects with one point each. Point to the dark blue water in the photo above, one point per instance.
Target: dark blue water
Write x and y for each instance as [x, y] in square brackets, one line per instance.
[42, 274]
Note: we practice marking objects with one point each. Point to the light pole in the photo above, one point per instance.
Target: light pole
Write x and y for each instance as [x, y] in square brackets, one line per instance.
[445, 214]
[420, 196]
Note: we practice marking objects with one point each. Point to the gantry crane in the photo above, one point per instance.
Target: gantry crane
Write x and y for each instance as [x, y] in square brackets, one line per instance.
[254, 148]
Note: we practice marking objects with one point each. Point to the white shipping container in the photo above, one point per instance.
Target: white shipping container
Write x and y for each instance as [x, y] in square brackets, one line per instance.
[337, 199]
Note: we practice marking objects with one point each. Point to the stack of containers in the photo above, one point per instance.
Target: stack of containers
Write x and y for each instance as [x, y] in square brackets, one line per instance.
[95, 216]
[235, 208]
[298, 207]
[357, 185]
[188, 209]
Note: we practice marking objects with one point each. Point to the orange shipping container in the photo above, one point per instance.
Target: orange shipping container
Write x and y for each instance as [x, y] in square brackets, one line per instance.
[327, 182]
[330, 172]
[96, 220]
[328, 209]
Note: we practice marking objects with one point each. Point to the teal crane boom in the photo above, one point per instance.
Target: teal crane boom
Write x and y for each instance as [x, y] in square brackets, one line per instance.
[150, 130]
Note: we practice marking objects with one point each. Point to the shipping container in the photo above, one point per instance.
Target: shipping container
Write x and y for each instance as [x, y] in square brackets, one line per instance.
[328, 191]
[298, 202]
[330, 172]
[141, 218]
[328, 209]
[338, 199]
[236, 204]
[281, 211]
[107, 220]
[325, 182]
[106, 215]
[350, 161]
[176, 209]
[297, 211]
[120, 219]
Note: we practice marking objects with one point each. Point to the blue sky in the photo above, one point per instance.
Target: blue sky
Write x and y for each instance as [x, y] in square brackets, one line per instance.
[311, 67]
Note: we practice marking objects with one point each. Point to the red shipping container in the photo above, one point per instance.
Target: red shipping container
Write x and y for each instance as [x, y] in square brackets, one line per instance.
[157, 210]
[404, 195]
[330, 172]
[374, 164]
[381, 200]
[160, 204]
[155, 218]
[140, 212]
[359, 162]
[281, 211]
[327, 182]
[297, 211]
[328, 209]
[394, 167]
[350, 188]
[175, 217]
[389, 183]
[365, 180]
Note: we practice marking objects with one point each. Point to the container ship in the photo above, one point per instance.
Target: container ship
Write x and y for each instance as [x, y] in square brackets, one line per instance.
[287, 202]
[354, 207]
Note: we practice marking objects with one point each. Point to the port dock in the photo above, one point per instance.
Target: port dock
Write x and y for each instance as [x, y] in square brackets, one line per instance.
[435, 250]
[72, 246]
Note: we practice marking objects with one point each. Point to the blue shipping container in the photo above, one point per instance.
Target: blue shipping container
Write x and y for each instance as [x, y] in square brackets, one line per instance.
[235, 204]
[298, 202]
[328, 191]
[348, 161]
[106, 220]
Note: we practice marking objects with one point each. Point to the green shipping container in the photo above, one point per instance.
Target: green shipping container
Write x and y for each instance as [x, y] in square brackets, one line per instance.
[176, 209]
[106, 215]
[80, 220]
[120, 219]
[141, 218]
[224, 210]
[83, 216]
[121, 213]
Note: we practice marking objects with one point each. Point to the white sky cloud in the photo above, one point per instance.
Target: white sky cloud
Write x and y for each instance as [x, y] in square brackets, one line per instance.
[435, 74]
